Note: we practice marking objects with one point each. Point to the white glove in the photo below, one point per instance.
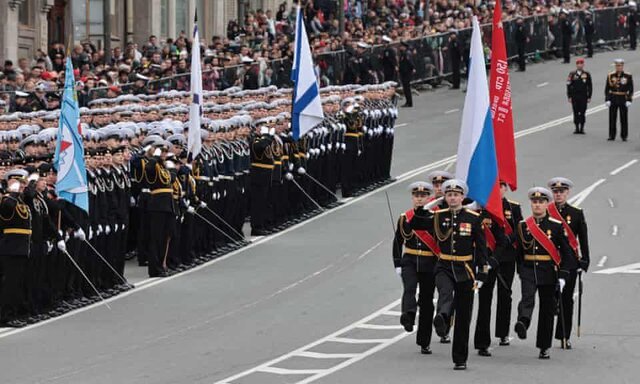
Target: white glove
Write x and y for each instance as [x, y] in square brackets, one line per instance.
[607, 103]
[399, 271]
[288, 176]
[203, 204]
[35, 176]
[80, 235]
[489, 267]
[627, 104]
[359, 152]
[343, 146]
[272, 131]
[49, 247]
[191, 210]
[224, 193]
[290, 166]
[157, 152]
[562, 283]
[90, 233]
[479, 284]
[107, 229]
[62, 246]
[99, 231]
[115, 229]
[301, 171]
[264, 130]
[132, 201]
[124, 226]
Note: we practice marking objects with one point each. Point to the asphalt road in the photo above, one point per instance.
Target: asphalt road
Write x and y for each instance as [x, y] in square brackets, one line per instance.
[313, 293]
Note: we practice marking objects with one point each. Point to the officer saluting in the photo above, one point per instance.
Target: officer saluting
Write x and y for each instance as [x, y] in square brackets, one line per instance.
[543, 254]
[461, 240]
[618, 94]
[579, 90]
[575, 227]
[416, 264]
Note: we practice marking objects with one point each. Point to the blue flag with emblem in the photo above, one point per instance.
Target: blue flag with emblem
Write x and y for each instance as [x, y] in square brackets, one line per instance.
[71, 183]
[307, 106]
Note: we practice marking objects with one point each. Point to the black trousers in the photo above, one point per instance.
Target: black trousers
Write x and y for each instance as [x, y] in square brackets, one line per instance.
[566, 49]
[260, 183]
[455, 75]
[589, 40]
[613, 116]
[159, 230]
[567, 306]
[546, 309]
[522, 59]
[406, 88]
[579, 110]
[482, 337]
[632, 38]
[12, 298]
[411, 279]
[503, 308]
[459, 296]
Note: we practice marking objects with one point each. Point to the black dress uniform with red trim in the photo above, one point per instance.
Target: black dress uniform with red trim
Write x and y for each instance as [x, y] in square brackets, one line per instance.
[463, 250]
[417, 261]
[618, 91]
[539, 272]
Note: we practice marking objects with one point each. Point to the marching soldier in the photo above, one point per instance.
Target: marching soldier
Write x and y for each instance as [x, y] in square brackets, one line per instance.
[543, 253]
[575, 228]
[618, 94]
[507, 259]
[416, 264]
[460, 268]
[579, 90]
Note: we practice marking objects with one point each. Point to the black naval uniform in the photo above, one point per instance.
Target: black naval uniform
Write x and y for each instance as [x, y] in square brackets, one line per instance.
[418, 263]
[161, 215]
[463, 251]
[261, 171]
[579, 90]
[574, 217]
[15, 222]
[497, 242]
[406, 70]
[521, 37]
[507, 259]
[567, 31]
[589, 30]
[618, 91]
[455, 54]
[539, 272]
[632, 23]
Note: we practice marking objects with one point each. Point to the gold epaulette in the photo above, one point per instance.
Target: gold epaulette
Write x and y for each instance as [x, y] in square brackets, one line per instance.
[472, 212]
[513, 202]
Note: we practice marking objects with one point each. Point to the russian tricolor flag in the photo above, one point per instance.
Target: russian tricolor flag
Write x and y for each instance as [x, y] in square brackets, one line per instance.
[477, 162]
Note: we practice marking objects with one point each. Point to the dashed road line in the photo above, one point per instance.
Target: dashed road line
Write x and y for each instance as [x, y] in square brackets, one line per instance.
[623, 167]
[542, 84]
[602, 261]
[612, 204]
[451, 111]
[614, 230]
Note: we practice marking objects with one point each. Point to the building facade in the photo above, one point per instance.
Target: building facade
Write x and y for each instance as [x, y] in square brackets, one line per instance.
[27, 26]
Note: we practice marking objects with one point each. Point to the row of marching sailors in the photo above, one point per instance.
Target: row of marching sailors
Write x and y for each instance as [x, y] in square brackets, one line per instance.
[41, 239]
[352, 148]
[459, 250]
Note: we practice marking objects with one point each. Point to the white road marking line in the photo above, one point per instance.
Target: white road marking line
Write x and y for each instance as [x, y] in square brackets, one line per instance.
[623, 167]
[379, 327]
[320, 355]
[448, 167]
[611, 203]
[542, 84]
[325, 339]
[603, 260]
[285, 371]
[629, 268]
[451, 111]
[400, 125]
[614, 230]
[392, 313]
[368, 251]
[404, 177]
[349, 340]
[585, 193]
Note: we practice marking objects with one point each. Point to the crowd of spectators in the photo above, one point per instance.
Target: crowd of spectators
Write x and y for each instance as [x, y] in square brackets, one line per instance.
[261, 45]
